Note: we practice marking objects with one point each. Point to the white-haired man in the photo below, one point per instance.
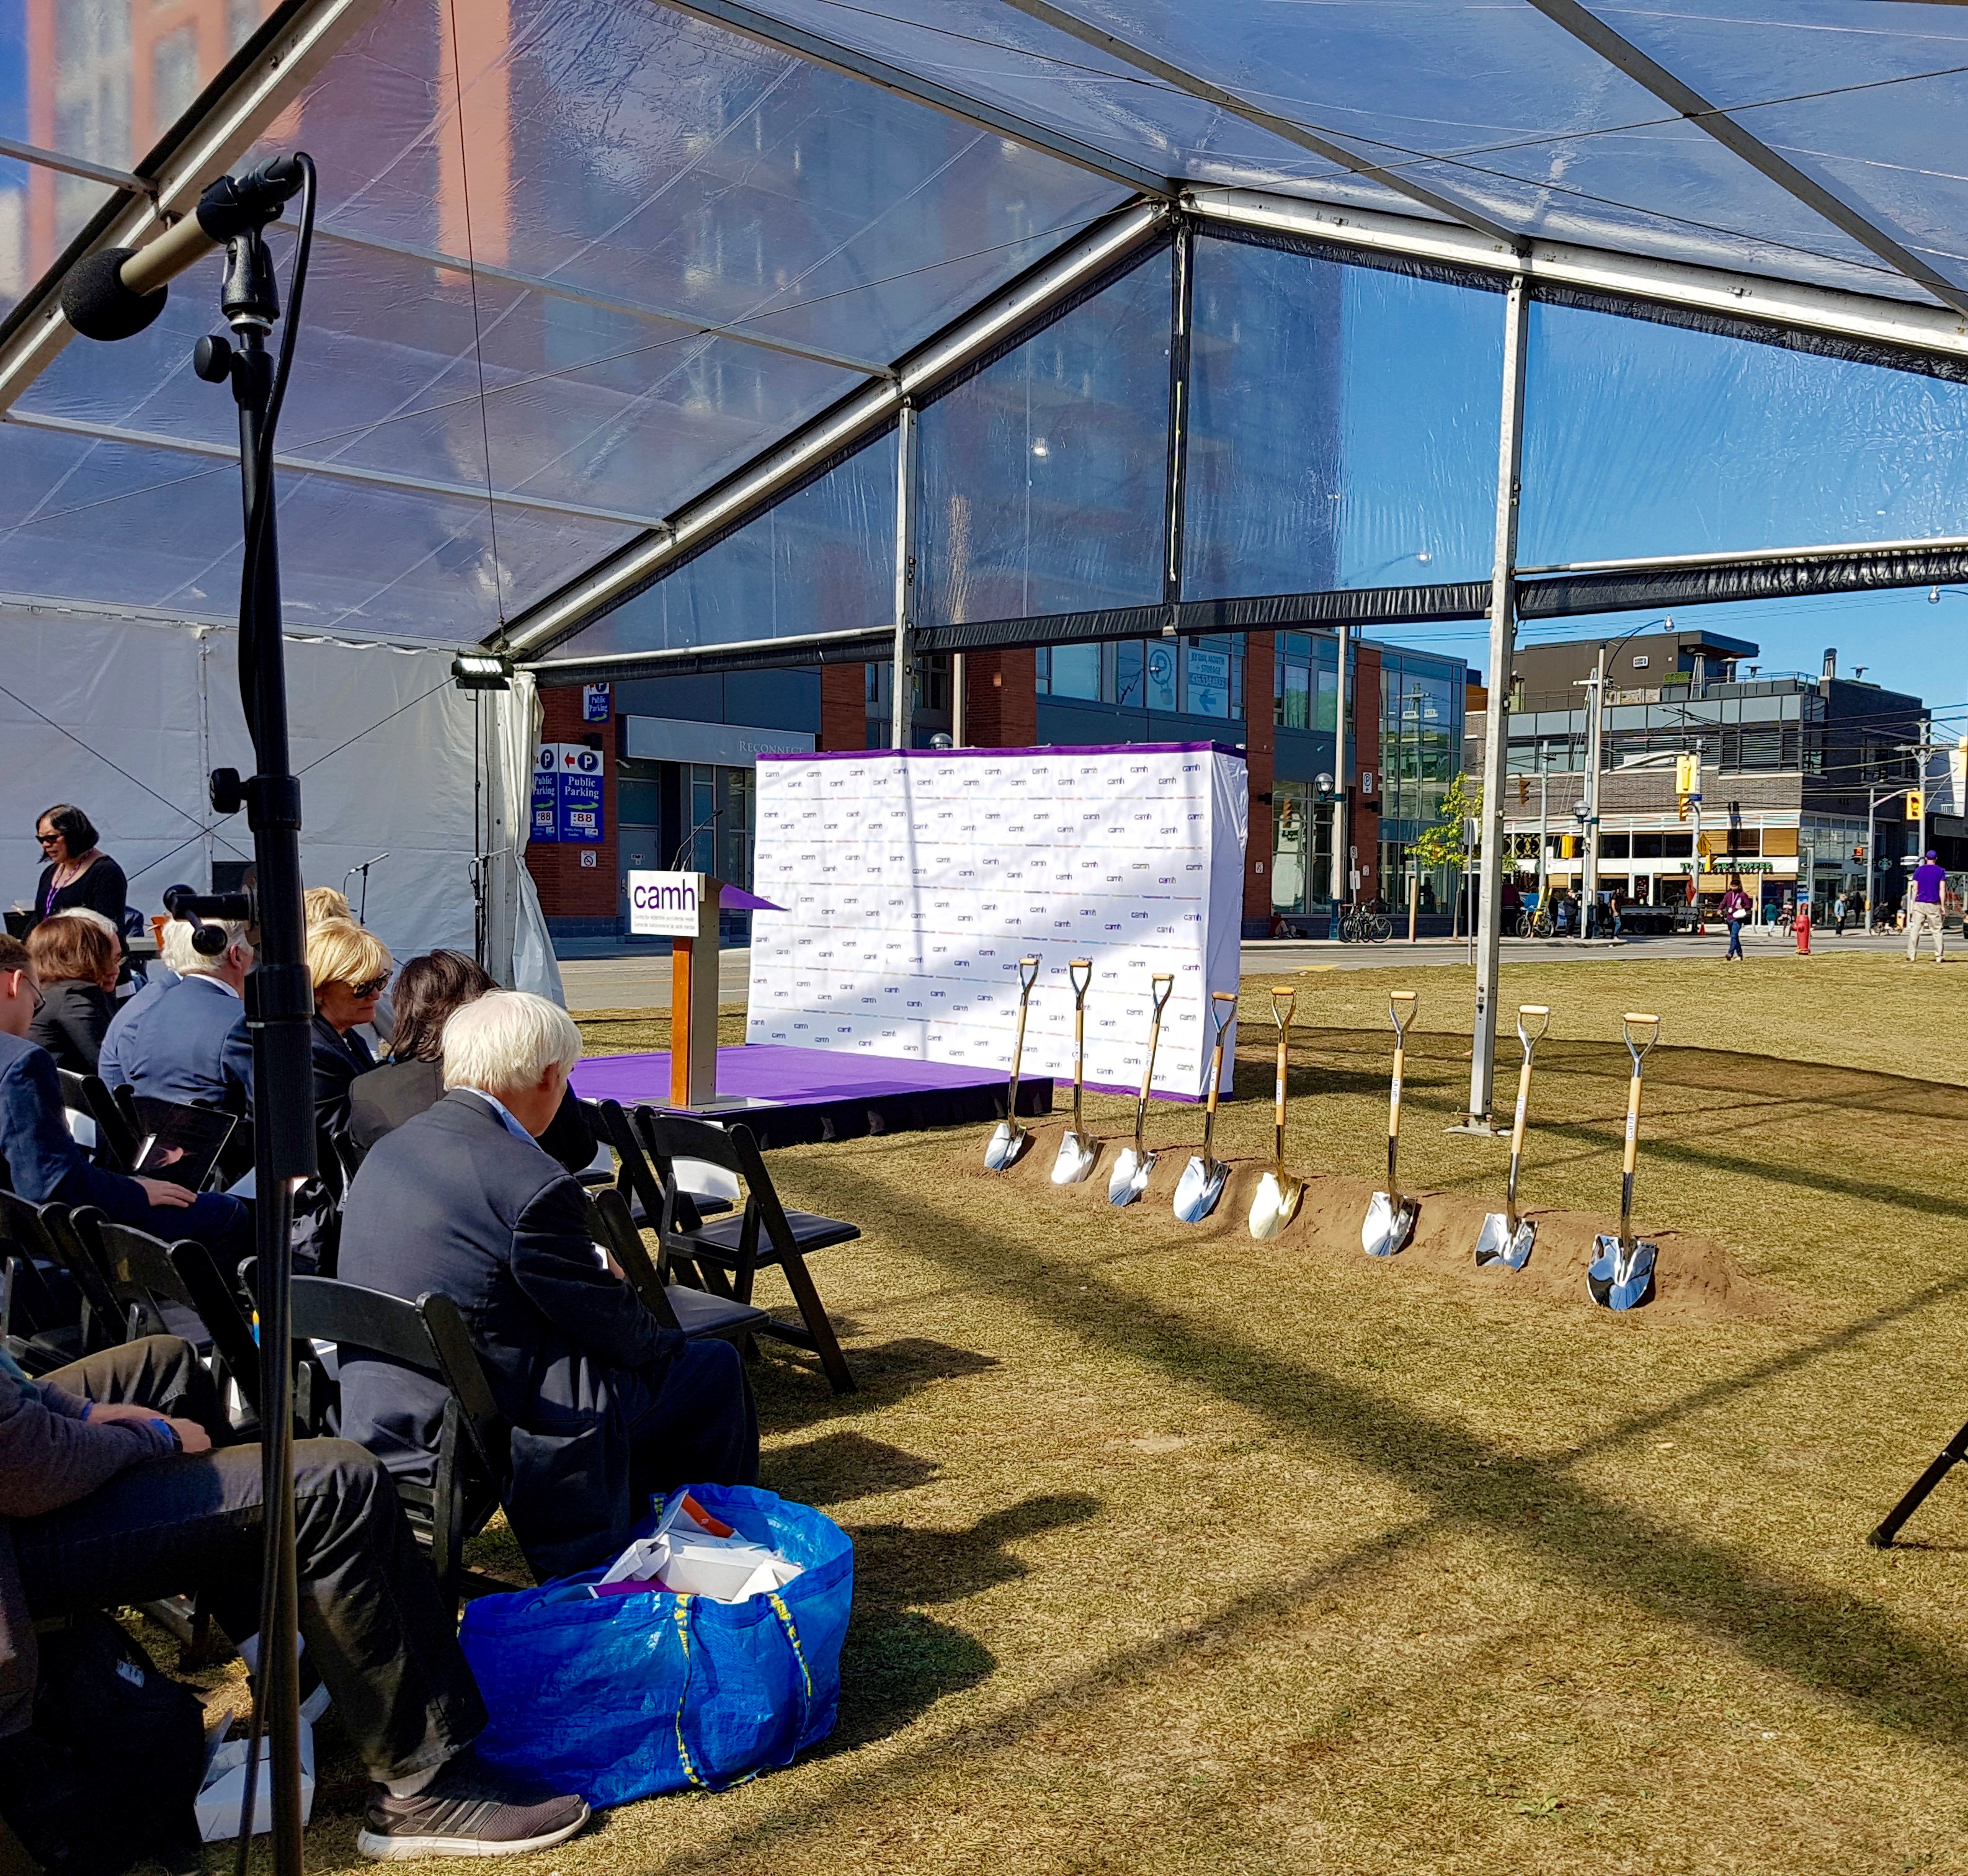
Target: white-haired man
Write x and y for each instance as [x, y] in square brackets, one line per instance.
[188, 1041]
[606, 1407]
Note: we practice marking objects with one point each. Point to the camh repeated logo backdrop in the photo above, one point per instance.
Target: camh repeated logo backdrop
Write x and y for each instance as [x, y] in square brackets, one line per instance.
[914, 881]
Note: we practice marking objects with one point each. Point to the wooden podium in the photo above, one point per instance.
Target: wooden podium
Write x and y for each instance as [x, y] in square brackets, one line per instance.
[694, 1003]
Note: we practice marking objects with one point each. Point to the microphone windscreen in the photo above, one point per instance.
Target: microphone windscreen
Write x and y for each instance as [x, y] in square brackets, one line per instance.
[98, 306]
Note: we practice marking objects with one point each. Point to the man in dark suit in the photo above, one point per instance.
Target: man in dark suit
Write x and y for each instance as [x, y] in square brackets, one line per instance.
[44, 1163]
[188, 1043]
[606, 1407]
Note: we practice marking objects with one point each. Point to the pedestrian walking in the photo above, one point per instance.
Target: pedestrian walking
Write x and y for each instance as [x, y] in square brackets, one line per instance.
[1838, 913]
[1735, 908]
[1923, 914]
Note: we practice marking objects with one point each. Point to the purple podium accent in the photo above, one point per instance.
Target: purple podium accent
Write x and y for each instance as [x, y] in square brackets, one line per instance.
[736, 898]
[792, 1097]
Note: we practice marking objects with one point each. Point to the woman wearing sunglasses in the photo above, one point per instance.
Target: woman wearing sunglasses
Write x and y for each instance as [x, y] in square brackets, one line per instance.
[74, 872]
[351, 968]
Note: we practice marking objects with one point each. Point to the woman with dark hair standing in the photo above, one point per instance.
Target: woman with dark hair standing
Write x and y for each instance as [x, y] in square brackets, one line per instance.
[77, 874]
[429, 990]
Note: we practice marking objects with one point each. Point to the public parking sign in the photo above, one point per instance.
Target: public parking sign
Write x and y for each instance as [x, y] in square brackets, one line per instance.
[580, 807]
[568, 807]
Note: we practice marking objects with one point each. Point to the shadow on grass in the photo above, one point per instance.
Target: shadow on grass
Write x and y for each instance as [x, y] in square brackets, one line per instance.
[793, 1392]
[838, 1466]
[898, 1661]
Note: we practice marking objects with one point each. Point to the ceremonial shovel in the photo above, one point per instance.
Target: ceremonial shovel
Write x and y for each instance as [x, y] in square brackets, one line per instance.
[1622, 1275]
[1202, 1182]
[1277, 1198]
[1130, 1178]
[1506, 1238]
[1390, 1219]
[1011, 1136]
[1076, 1152]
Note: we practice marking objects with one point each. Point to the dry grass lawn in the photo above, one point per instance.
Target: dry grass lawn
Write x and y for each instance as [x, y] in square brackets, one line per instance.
[1177, 1552]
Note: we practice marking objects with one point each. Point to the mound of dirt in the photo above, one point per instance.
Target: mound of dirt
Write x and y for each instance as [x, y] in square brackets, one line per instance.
[1696, 1281]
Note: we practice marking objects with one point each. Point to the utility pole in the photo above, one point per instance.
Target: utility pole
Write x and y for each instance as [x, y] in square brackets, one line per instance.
[1544, 810]
[1342, 818]
[1595, 687]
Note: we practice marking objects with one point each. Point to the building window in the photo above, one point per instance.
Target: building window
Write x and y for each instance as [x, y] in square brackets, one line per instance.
[1205, 679]
[1305, 683]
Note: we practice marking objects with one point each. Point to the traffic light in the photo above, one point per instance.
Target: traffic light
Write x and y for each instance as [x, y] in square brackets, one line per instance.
[1687, 781]
[1916, 802]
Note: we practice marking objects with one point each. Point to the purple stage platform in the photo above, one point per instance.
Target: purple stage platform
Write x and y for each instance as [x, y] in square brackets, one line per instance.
[794, 1096]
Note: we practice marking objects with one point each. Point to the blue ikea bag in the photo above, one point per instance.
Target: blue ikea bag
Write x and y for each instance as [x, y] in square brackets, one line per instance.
[621, 1697]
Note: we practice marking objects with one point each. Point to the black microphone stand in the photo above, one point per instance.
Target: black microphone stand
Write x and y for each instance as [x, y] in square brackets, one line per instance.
[280, 997]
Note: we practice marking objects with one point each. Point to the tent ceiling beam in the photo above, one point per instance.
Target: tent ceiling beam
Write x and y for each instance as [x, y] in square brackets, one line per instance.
[777, 33]
[1270, 121]
[1791, 303]
[626, 573]
[581, 296]
[291, 48]
[318, 465]
[1613, 586]
[72, 166]
[1622, 53]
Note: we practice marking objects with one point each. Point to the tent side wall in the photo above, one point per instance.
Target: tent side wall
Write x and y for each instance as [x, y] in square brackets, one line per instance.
[126, 716]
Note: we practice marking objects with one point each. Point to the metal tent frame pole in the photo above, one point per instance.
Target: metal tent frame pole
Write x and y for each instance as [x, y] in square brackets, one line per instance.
[1496, 750]
[902, 673]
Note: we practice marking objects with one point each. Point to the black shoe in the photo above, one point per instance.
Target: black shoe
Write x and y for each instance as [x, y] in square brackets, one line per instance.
[467, 1810]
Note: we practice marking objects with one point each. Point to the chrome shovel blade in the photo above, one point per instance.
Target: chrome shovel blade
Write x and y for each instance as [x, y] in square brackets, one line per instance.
[1621, 1279]
[1076, 1155]
[1129, 1179]
[1384, 1231]
[1274, 1206]
[1006, 1144]
[1499, 1245]
[1199, 1188]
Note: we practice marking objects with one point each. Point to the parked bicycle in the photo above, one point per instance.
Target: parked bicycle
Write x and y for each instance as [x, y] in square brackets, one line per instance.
[1361, 925]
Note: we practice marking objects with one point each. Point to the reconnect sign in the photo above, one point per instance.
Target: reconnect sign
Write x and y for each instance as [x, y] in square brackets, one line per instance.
[665, 905]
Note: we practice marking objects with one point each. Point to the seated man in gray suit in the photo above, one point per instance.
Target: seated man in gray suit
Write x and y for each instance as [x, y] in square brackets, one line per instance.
[188, 1042]
[606, 1407]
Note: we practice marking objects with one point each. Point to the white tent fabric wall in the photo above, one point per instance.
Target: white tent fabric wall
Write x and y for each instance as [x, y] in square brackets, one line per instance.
[510, 886]
[125, 716]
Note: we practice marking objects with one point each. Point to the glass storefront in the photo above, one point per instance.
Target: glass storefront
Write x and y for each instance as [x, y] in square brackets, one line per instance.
[1301, 850]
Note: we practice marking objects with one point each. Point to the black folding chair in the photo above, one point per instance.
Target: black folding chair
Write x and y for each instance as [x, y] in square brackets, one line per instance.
[44, 1313]
[472, 1464]
[116, 1134]
[762, 1235]
[642, 1192]
[175, 1289]
[54, 1286]
[698, 1314]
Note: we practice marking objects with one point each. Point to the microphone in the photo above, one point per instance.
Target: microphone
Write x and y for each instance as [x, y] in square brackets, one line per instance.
[115, 294]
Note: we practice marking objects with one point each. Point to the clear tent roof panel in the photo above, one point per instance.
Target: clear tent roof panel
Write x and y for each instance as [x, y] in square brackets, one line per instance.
[1870, 98]
[626, 151]
[580, 405]
[1489, 103]
[354, 556]
[532, 212]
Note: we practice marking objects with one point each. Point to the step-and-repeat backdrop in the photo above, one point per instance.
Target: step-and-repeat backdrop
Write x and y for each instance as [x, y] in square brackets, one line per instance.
[914, 881]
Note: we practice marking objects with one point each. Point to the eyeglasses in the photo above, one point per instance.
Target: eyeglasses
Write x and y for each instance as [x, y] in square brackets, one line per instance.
[370, 987]
[21, 978]
[47, 839]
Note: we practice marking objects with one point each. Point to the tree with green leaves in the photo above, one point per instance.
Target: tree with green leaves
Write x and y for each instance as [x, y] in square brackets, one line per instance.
[1443, 845]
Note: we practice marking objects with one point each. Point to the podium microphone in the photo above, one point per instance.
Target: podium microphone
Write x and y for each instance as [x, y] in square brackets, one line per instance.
[116, 293]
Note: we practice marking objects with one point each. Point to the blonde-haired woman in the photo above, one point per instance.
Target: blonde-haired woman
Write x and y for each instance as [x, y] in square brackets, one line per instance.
[350, 968]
